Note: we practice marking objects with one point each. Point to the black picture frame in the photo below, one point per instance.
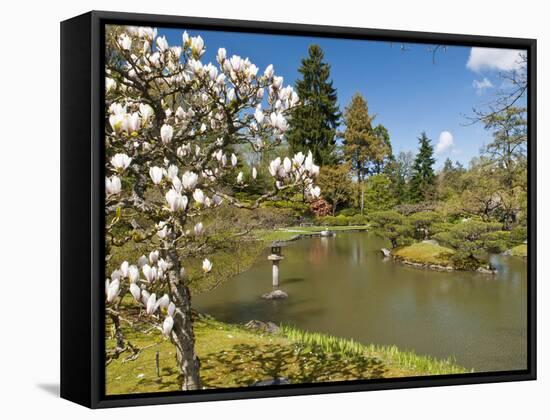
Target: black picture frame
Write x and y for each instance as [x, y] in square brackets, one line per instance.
[82, 211]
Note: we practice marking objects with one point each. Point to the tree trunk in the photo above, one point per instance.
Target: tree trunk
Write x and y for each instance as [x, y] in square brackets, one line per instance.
[182, 332]
[184, 339]
[362, 197]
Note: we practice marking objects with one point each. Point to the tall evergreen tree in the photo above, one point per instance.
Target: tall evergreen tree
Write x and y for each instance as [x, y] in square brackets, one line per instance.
[314, 122]
[358, 136]
[422, 185]
[366, 149]
[382, 150]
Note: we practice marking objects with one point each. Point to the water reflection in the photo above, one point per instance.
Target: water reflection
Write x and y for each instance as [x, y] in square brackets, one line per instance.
[342, 286]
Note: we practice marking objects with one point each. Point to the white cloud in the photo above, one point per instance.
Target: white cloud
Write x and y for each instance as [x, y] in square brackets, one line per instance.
[446, 142]
[493, 59]
[481, 85]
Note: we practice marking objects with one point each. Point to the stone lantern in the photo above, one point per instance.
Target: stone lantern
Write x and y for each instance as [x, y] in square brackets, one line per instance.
[275, 257]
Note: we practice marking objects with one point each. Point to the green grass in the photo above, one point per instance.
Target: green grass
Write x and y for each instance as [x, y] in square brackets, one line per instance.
[425, 253]
[233, 356]
[288, 233]
[519, 251]
[394, 359]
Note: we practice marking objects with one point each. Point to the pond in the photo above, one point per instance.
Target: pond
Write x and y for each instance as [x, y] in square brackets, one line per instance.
[343, 286]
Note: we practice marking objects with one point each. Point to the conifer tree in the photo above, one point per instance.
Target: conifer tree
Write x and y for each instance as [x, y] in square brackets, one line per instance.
[358, 136]
[366, 149]
[314, 122]
[422, 186]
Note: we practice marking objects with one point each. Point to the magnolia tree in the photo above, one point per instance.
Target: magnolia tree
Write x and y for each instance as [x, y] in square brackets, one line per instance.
[173, 125]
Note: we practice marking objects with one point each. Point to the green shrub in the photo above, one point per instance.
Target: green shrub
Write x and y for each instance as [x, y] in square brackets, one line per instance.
[464, 261]
[358, 220]
[497, 241]
[348, 212]
[392, 226]
[518, 235]
[341, 220]
[422, 223]
[326, 221]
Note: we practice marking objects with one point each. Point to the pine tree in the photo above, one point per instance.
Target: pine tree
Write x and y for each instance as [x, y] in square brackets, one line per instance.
[366, 149]
[358, 136]
[422, 186]
[314, 122]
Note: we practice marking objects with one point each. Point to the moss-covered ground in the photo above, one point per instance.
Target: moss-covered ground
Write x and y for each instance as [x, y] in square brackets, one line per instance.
[519, 251]
[425, 253]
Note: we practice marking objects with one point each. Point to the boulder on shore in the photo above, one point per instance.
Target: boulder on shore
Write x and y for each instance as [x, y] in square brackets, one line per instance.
[268, 327]
[385, 252]
[275, 295]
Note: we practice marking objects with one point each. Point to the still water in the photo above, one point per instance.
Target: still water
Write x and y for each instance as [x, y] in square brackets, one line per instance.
[342, 286]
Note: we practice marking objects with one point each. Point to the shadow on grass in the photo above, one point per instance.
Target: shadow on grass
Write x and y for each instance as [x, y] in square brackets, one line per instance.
[245, 364]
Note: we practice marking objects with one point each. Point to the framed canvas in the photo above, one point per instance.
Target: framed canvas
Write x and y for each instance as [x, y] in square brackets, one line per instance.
[256, 209]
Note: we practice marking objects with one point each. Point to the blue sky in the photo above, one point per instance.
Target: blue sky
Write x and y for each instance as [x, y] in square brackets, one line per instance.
[405, 89]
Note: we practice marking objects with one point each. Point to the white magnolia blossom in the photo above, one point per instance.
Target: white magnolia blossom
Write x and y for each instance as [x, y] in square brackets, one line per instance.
[110, 84]
[124, 268]
[171, 309]
[166, 133]
[112, 289]
[149, 273]
[146, 112]
[198, 196]
[162, 44]
[259, 115]
[163, 302]
[189, 180]
[151, 304]
[153, 257]
[233, 159]
[240, 178]
[113, 185]
[198, 229]
[197, 46]
[254, 172]
[125, 42]
[156, 174]
[206, 265]
[269, 71]
[172, 171]
[121, 161]
[176, 201]
[167, 325]
[135, 291]
[133, 273]
[142, 261]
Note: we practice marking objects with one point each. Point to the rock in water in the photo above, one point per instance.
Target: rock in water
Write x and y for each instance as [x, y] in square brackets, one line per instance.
[275, 294]
[385, 252]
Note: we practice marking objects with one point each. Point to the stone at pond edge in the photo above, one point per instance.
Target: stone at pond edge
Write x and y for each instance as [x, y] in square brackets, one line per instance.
[274, 381]
[484, 270]
[275, 294]
[269, 327]
[385, 252]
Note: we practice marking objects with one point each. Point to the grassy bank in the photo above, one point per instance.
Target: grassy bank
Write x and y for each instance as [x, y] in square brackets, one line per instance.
[234, 356]
[425, 253]
[519, 251]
